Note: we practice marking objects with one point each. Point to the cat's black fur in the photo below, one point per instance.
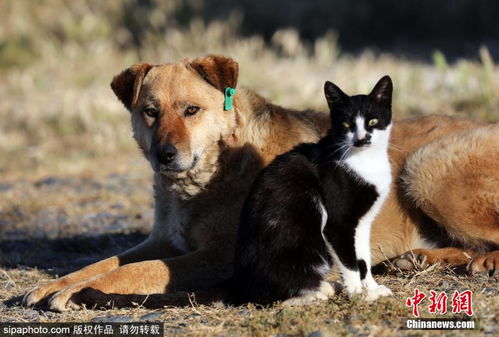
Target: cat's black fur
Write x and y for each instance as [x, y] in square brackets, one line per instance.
[280, 243]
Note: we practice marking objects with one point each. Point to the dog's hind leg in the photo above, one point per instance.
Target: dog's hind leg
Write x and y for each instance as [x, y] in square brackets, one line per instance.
[421, 258]
[455, 182]
[147, 250]
[485, 263]
[466, 259]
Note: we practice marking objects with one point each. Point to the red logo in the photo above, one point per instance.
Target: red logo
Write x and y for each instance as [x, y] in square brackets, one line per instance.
[461, 302]
[438, 303]
[414, 301]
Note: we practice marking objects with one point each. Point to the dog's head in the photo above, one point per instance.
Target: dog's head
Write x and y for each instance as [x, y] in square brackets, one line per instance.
[178, 109]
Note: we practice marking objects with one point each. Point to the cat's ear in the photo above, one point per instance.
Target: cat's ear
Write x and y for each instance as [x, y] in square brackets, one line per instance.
[334, 95]
[382, 92]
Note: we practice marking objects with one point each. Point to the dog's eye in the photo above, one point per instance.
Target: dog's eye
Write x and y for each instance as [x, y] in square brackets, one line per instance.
[346, 125]
[373, 122]
[151, 112]
[191, 110]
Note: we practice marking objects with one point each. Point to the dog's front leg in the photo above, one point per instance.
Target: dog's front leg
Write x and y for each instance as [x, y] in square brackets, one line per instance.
[149, 249]
[196, 270]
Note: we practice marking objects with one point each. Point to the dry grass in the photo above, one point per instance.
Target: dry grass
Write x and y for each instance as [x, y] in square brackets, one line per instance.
[69, 169]
[337, 317]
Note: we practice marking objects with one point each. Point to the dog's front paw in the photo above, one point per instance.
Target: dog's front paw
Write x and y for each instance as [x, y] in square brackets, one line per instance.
[34, 296]
[40, 293]
[373, 293]
[61, 301]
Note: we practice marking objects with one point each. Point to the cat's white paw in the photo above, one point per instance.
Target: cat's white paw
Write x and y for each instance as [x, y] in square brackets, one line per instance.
[354, 290]
[324, 292]
[327, 289]
[373, 293]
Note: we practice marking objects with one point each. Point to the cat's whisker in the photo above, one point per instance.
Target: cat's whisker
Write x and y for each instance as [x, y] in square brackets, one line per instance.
[345, 154]
[345, 146]
[340, 148]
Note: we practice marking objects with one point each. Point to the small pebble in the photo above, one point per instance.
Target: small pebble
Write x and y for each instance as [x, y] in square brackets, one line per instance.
[113, 319]
[152, 316]
[489, 330]
[31, 315]
[49, 314]
[243, 311]
[352, 330]
[317, 333]
[194, 315]
[444, 284]
[6, 187]
[48, 181]
[489, 291]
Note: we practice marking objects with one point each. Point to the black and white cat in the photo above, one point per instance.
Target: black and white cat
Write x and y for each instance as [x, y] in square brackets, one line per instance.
[314, 205]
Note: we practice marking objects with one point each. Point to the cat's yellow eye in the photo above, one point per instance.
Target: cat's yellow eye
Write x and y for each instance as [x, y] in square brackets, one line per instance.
[373, 122]
[346, 125]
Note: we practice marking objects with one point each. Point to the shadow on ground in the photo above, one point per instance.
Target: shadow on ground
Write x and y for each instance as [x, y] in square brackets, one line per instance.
[64, 255]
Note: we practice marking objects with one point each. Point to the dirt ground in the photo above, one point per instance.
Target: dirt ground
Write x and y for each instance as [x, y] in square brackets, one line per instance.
[54, 224]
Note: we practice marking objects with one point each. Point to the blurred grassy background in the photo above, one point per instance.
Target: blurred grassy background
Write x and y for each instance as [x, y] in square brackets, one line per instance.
[57, 58]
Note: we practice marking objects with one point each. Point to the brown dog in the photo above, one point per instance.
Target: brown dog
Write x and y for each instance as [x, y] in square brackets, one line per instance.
[205, 159]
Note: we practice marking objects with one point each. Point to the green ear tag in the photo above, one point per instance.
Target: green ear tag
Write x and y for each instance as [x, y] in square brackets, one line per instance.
[229, 94]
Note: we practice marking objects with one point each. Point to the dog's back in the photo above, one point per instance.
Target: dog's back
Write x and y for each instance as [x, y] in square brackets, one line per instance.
[466, 163]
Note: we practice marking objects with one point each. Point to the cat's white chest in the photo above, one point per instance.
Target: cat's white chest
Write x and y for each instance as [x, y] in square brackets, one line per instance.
[373, 166]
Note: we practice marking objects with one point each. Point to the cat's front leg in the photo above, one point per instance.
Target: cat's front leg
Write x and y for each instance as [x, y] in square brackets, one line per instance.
[350, 276]
[351, 281]
[363, 253]
[340, 245]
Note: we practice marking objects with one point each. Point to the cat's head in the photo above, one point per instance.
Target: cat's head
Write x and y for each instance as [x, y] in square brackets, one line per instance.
[361, 119]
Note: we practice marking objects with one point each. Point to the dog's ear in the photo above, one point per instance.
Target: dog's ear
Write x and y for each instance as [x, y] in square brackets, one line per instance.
[127, 84]
[382, 92]
[220, 71]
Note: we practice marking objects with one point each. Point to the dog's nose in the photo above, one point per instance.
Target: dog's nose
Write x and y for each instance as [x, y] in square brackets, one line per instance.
[166, 154]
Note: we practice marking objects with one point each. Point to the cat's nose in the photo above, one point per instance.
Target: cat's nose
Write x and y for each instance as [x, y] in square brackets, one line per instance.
[364, 141]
